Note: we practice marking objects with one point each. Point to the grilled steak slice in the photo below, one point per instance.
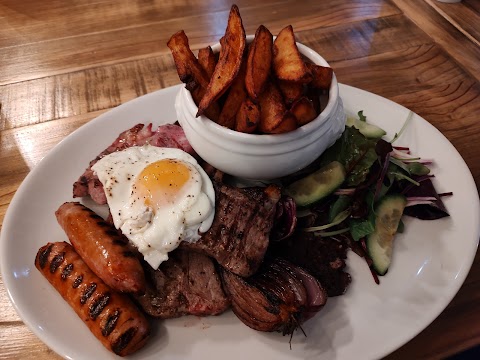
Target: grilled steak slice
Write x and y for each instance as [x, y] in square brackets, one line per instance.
[186, 284]
[169, 135]
[239, 235]
[323, 258]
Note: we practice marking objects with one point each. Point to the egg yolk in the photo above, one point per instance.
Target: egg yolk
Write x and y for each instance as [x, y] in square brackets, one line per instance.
[160, 182]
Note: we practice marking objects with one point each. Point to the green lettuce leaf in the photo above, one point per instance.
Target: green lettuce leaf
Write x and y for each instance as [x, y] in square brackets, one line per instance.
[355, 152]
[361, 228]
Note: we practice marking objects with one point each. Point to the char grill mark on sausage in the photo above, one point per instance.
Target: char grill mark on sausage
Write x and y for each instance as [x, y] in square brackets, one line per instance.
[239, 235]
[55, 263]
[123, 341]
[43, 257]
[111, 316]
[66, 271]
[77, 282]
[110, 323]
[87, 293]
[97, 307]
[186, 284]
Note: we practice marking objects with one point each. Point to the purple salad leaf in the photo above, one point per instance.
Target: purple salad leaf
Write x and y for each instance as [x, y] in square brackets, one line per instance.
[432, 211]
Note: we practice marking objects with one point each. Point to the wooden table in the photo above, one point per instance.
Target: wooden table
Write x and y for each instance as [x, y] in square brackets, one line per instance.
[63, 63]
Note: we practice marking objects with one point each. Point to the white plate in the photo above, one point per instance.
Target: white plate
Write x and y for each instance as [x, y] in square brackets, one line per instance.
[431, 259]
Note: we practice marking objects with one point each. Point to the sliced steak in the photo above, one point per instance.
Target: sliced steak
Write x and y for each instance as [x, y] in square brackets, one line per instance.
[169, 135]
[324, 258]
[239, 235]
[186, 284]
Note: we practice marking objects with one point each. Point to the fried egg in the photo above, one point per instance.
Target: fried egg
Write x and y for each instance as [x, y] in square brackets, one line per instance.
[158, 197]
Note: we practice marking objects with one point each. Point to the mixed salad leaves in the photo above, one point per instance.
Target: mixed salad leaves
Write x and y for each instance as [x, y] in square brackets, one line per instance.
[361, 187]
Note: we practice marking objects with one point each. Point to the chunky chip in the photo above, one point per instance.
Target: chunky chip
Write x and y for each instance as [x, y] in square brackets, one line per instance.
[236, 95]
[229, 62]
[189, 69]
[272, 108]
[287, 60]
[248, 117]
[288, 123]
[259, 62]
[321, 76]
[304, 111]
[207, 60]
[291, 91]
[213, 111]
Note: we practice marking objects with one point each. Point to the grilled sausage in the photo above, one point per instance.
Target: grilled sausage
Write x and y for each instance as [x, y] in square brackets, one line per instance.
[104, 250]
[111, 316]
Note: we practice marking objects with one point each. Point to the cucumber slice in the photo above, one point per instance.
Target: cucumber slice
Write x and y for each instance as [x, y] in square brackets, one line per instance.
[368, 130]
[317, 185]
[389, 211]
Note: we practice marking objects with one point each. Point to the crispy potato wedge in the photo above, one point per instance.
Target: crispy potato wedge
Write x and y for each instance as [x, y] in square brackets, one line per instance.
[213, 111]
[207, 60]
[304, 110]
[191, 85]
[288, 123]
[291, 91]
[272, 108]
[259, 62]
[314, 96]
[191, 72]
[235, 97]
[248, 117]
[287, 60]
[321, 76]
[267, 88]
[228, 66]
[189, 69]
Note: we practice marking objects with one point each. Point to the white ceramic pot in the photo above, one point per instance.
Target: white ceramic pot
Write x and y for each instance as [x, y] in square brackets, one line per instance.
[262, 157]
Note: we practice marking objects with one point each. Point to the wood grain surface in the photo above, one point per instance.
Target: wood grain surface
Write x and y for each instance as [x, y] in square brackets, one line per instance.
[63, 63]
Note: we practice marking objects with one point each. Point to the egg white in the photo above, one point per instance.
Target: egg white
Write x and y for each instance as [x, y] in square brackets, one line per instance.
[156, 230]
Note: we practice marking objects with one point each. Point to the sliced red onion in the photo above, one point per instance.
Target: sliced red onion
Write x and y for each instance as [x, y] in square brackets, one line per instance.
[419, 202]
[316, 295]
[284, 272]
[421, 198]
[407, 158]
[285, 219]
[402, 154]
[344, 191]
